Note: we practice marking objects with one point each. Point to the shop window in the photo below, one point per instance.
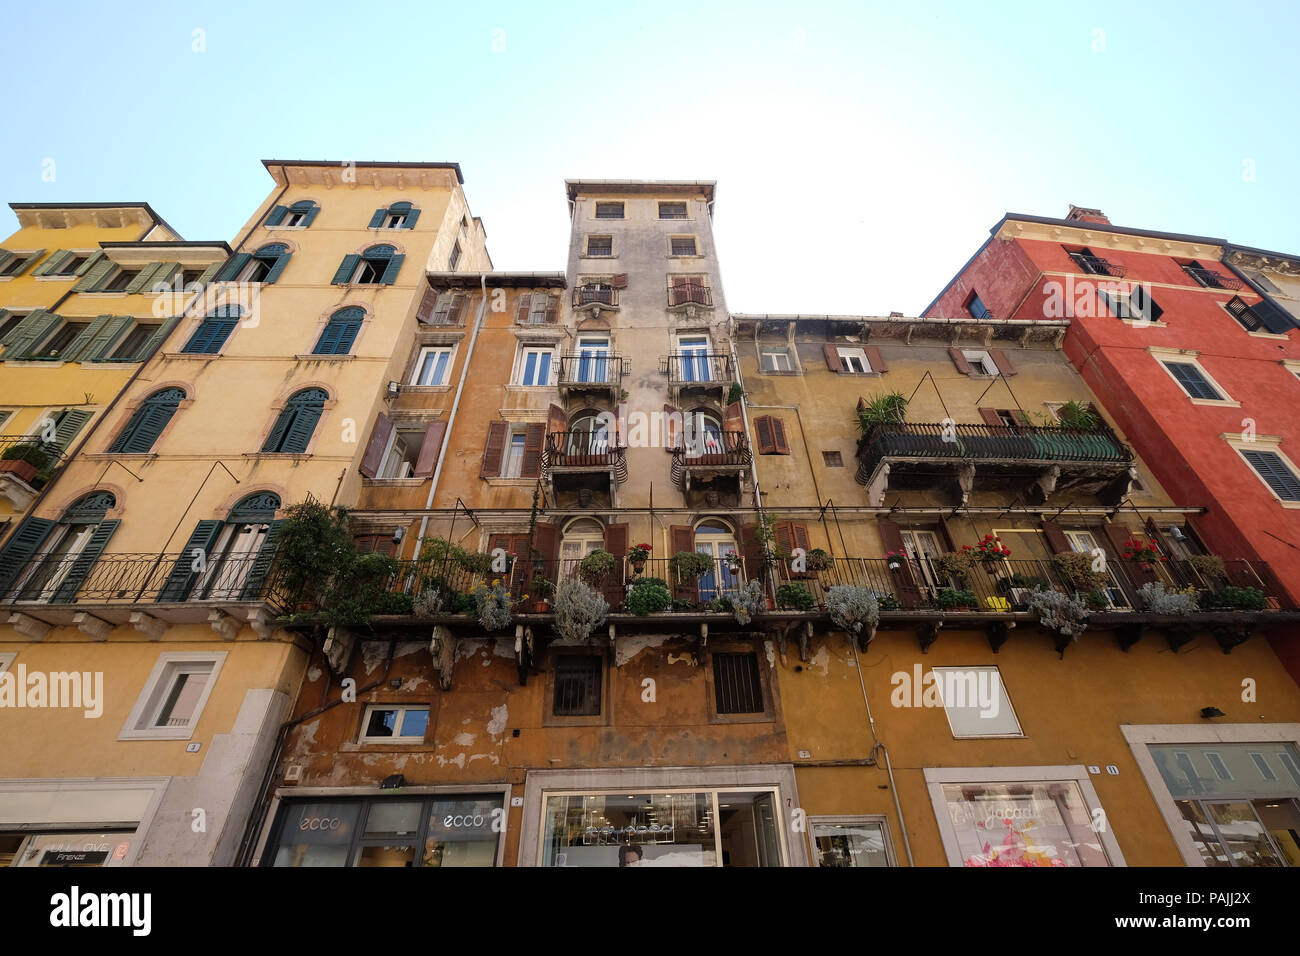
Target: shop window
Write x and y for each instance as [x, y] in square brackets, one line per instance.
[976, 702]
[389, 723]
[851, 841]
[173, 698]
[578, 679]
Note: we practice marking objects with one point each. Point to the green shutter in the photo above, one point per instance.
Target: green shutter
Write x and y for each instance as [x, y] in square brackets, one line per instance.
[84, 561]
[32, 259]
[5, 256]
[80, 344]
[73, 420]
[12, 335]
[208, 273]
[102, 343]
[20, 547]
[281, 261]
[276, 438]
[345, 271]
[182, 578]
[140, 433]
[233, 267]
[95, 276]
[31, 331]
[255, 583]
[142, 280]
[91, 261]
[390, 271]
[276, 215]
[164, 274]
[377, 220]
[310, 216]
[300, 432]
[54, 263]
[156, 339]
[411, 216]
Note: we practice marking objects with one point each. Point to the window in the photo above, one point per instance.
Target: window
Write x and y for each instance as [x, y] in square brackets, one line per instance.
[1088, 262]
[455, 256]
[672, 210]
[378, 265]
[1272, 468]
[854, 360]
[833, 459]
[770, 430]
[691, 289]
[295, 425]
[213, 330]
[447, 309]
[121, 280]
[15, 265]
[432, 366]
[73, 265]
[851, 841]
[403, 454]
[148, 422]
[237, 554]
[600, 245]
[775, 360]
[1263, 316]
[340, 332]
[682, 246]
[65, 423]
[535, 366]
[980, 361]
[578, 679]
[10, 321]
[400, 215]
[593, 363]
[1208, 278]
[58, 344]
[737, 687]
[1193, 382]
[581, 537]
[264, 265]
[609, 210]
[6, 659]
[384, 723]
[132, 348]
[300, 215]
[976, 308]
[49, 561]
[542, 309]
[1137, 305]
[514, 460]
[173, 698]
[976, 702]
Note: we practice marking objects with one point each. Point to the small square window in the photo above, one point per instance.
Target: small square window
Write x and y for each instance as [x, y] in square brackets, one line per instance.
[600, 245]
[672, 210]
[976, 702]
[737, 686]
[609, 210]
[578, 680]
[833, 459]
[683, 246]
[981, 362]
[391, 723]
[775, 360]
[15, 265]
[854, 360]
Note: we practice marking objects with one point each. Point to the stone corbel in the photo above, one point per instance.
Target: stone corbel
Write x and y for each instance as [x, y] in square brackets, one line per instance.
[1230, 635]
[927, 632]
[442, 648]
[704, 642]
[338, 649]
[96, 627]
[261, 622]
[29, 626]
[965, 482]
[1046, 481]
[224, 624]
[998, 632]
[150, 627]
[879, 486]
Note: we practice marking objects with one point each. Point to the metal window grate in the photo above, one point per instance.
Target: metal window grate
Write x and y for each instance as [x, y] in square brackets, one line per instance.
[672, 210]
[577, 685]
[833, 459]
[609, 210]
[736, 685]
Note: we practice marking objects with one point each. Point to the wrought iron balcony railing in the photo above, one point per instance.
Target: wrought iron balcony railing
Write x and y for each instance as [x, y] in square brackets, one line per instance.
[697, 368]
[29, 459]
[1095, 265]
[583, 449]
[990, 442]
[1212, 279]
[714, 448]
[595, 295]
[690, 293]
[591, 368]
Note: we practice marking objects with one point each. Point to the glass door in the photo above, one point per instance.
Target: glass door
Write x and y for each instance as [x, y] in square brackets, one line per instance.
[923, 548]
[230, 562]
[46, 575]
[716, 540]
[694, 351]
[1085, 543]
[593, 360]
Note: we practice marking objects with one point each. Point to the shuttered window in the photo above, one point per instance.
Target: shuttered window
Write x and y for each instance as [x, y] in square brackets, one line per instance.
[264, 265]
[213, 331]
[301, 213]
[148, 422]
[577, 685]
[737, 688]
[378, 265]
[340, 332]
[771, 435]
[400, 215]
[295, 425]
[1273, 469]
[1192, 381]
[976, 307]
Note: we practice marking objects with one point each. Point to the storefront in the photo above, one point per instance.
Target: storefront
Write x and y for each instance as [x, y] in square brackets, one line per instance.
[76, 823]
[668, 817]
[410, 827]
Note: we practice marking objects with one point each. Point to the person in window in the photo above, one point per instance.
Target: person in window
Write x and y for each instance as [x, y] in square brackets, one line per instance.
[629, 855]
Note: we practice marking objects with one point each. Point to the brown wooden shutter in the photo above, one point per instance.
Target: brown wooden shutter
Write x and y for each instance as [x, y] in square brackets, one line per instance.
[891, 538]
[1002, 361]
[672, 428]
[1118, 534]
[455, 308]
[428, 459]
[552, 309]
[779, 445]
[615, 544]
[546, 542]
[427, 302]
[494, 449]
[990, 416]
[763, 429]
[733, 418]
[1057, 542]
[373, 459]
[525, 302]
[878, 363]
[1158, 536]
[751, 549]
[1021, 418]
[833, 358]
[534, 438]
[556, 419]
[945, 532]
[959, 360]
[681, 537]
[619, 281]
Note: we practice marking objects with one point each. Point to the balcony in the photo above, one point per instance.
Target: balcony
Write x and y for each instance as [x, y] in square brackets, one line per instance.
[1042, 461]
[1211, 279]
[584, 466]
[600, 372]
[709, 455]
[708, 371]
[1094, 265]
[26, 466]
[690, 294]
[593, 297]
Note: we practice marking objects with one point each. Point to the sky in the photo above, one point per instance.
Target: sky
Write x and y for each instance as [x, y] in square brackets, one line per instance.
[862, 150]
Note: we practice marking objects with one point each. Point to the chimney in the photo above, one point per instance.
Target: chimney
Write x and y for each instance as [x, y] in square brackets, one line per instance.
[1080, 214]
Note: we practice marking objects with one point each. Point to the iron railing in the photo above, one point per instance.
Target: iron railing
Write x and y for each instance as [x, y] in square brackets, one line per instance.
[690, 293]
[696, 368]
[714, 448]
[592, 368]
[583, 449]
[1095, 265]
[991, 442]
[1212, 279]
[595, 295]
[30, 459]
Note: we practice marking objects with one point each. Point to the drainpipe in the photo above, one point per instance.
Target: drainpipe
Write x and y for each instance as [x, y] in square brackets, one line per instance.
[744, 412]
[877, 745]
[451, 419]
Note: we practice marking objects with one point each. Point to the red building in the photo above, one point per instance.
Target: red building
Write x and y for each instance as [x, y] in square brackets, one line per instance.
[1191, 356]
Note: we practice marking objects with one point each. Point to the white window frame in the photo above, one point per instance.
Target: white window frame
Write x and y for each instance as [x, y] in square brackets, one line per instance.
[395, 220]
[977, 357]
[397, 738]
[775, 352]
[521, 364]
[1005, 701]
[1189, 357]
[168, 665]
[861, 819]
[936, 777]
[507, 456]
[848, 353]
[1271, 443]
[292, 219]
[428, 350]
[393, 438]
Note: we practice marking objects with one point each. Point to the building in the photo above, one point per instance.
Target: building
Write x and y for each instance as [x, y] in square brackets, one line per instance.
[146, 568]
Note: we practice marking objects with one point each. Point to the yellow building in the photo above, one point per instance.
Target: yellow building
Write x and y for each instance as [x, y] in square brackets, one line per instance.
[146, 566]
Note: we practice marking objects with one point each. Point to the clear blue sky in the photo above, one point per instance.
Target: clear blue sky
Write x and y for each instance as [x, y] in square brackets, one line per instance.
[862, 151]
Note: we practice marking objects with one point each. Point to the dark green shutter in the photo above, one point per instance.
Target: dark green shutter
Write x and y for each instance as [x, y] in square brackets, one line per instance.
[54, 263]
[206, 276]
[181, 579]
[32, 259]
[157, 337]
[411, 216]
[277, 215]
[5, 256]
[73, 420]
[163, 275]
[390, 271]
[107, 337]
[84, 338]
[148, 422]
[276, 437]
[210, 335]
[91, 261]
[141, 281]
[281, 261]
[377, 220]
[95, 276]
[255, 583]
[31, 332]
[233, 267]
[21, 330]
[301, 429]
[345, 271]
[310, 215]
[84, 561]
[1275, 473]
[1275, 319]
[20, 547]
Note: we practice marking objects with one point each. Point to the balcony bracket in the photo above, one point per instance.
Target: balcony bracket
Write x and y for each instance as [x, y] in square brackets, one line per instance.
[442, 648]
[1176, 635]
[865, 637]
[927, 633]
[1128, 635]
[1061, 643]
[997, 633]
[29, 626]
[96, 627]
[879, 486]
[704, 643]
[1046, 483]
[263, 622]
[1230, 635]
[338, 646]
[805, 641]
[524, 648]
[966, 482]
[150, 627]
[224, 624]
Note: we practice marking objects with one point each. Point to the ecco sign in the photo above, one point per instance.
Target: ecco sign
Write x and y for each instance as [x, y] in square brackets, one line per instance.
[320, 823]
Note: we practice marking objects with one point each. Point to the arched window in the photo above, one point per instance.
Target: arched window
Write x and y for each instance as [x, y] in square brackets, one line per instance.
[589, 435]
[717, 538]
[400, 215]
[228, 560]
[378, 265]
[214, 330]
[581, 537]
[294, 427]
[148, 422]
[340, 332]
[48, 561]
[264, 265]
[301, 213]
[703, 433]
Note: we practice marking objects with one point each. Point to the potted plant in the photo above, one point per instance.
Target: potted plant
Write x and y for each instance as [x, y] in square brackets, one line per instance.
[26, 460]
[1157, 600]
[578, 609]
[638, 556]
[887, 409]
[1234, 598]
[819, 560]
[894, 560]
[1207, 565]
[1059, 612]
[732, 560]
[886, 602]
[748, 602]
[1077, 415]
[596, 566]
[952, 599]
[1077, 567]
[1143, 553]
[990, 550]
[855, 608]
[956, 563]
[649, 596]
[492, 602]
[689, 566]
[314, 547]
[794, 597]
[543, 589]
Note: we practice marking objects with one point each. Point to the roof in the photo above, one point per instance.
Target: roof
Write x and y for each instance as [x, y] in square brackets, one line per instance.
[158, 220]
[642, 186]
[513, 280]
[369, 164]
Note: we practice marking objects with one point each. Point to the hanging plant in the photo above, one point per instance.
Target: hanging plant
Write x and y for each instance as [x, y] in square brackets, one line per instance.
[1059, 612]
[493, 606]
[578, 609]
[690, 566]
[1077, 568]
[819, 560]
[1207, 565]
[596, 566]
[748, 602]
[958, 563]
[887, 409]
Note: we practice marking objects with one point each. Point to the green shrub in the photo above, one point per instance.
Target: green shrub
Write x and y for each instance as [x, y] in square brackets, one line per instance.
[690, 566]
[794, 597]
[32, 452]
[648, 596]
[950, 597]
[595, 567]
[1239, 598]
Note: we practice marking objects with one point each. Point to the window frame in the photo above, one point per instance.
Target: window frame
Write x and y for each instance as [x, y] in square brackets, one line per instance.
[550, 718]
[586, 247]
[695, 247]
[514, 432]
[982, 358]
[426, 350]
[850, 819]
[622, 209]
[398, 739]
[855, 352]
[684, 203]
[1265, 445]
[1005, 700]
[774, 351]
[169, 665]
[1190, 357]
[521, 363]
[767, 688]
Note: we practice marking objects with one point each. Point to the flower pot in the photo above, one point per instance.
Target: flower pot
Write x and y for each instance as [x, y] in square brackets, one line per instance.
[543, 607]
[24, 471]
[990, 567]
[895, 565]
[638, 567]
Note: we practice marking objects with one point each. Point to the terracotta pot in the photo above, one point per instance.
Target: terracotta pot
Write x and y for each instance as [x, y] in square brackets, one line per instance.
[24, 471]
[543, 607]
